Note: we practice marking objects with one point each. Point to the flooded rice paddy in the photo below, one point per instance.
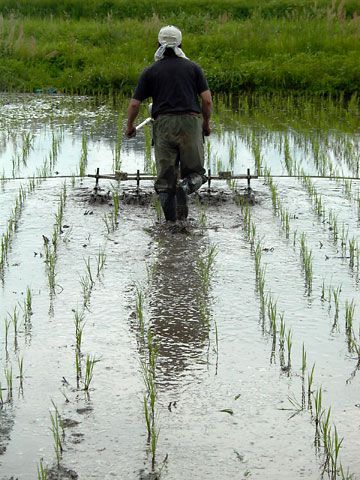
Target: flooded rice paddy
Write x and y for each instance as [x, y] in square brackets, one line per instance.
[226, 347]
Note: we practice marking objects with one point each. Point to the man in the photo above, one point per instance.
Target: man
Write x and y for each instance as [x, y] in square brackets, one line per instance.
[175, 85]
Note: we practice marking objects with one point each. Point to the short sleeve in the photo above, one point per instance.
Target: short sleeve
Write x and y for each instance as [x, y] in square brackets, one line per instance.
[201, 82]
[143, 88]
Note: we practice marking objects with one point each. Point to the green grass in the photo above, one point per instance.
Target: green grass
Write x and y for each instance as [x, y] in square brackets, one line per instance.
[238, 9]
[99, 47]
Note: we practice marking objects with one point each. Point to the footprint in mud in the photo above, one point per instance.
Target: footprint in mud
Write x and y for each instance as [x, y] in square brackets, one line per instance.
[76, 438]
[61, 473]
[83, 410]
[69, 423]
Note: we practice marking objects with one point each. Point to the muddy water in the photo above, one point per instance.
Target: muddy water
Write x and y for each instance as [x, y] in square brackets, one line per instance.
[223, 408]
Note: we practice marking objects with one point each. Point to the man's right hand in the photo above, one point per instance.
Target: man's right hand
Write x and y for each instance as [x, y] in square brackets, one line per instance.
[206, 129]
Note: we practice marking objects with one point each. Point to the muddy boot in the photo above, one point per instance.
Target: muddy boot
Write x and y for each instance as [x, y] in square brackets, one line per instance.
[182, 209]
[192, 182]
[168, 204]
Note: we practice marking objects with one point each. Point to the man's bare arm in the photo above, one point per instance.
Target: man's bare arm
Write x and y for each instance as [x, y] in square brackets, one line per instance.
[206, 107]
[133, 110]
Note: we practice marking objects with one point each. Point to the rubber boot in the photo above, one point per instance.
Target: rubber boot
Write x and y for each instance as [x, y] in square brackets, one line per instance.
[182, 209]
[168, 204]
[192, 182]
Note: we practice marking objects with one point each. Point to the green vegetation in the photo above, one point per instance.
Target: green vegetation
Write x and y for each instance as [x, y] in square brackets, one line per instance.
[102, 46]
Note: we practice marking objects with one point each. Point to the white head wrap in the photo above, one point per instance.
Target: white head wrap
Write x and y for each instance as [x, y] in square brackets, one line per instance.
[169, 37]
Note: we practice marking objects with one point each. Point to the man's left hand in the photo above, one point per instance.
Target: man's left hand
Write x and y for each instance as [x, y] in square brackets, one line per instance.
[130, 132]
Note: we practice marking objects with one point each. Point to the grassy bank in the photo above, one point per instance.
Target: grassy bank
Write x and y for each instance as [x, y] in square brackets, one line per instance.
[296, 45]
[141, 9]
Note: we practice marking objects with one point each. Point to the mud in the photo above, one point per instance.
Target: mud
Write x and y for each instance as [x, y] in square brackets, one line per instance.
[222, 404]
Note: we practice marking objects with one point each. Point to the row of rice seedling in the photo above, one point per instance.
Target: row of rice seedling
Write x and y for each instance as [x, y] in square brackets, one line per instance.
[283, 213]
[306, 257]
[12, 226]
[272, 322]
[84, 365]
[339, 233]
[111, 220]
[51, 244]
[322, 158]
[149, 351]
[19, 325]
[327, 441]
[20, 201]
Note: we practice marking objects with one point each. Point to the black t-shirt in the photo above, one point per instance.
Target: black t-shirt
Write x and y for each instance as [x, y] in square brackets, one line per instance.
[174, 84]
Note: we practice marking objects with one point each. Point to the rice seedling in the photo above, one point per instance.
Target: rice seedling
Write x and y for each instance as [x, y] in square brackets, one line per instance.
[149, 403]
[79, 322]
[323, 291]
[285, 220]
[140, 309]
[325, 427]
[86, 287]
[51, 270]
[336, 445]
[42, 471]
[7, 326]
[108, 221]
[306, 258]
[289, 347]
[336, 296]
[261, 291]
[14, 317]
[345, 475]
[274, 196]
[100, 261]
[272, 313]
[257, 256]
[353, 247]
[344, 239]
[116, 201]
[56, 432]
[303, 362]
[319, 207]
[84, 156]
[118, 144]
[21, 370]
[31, 184]
[88, 270]
[349, 317]
[256, 151]
[318, 407]
[27, 306]
[310, 383]
[205, 265]
[89, 370]
[9, 382]
[111, 219]
[202, 220]
[333, 221]
[154, 441]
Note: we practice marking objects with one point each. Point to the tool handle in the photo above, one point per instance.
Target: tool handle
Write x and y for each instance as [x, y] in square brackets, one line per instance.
[142, 124]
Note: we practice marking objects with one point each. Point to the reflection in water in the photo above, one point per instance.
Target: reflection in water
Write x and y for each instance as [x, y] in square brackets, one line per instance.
[175, 293]
[6, 425]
